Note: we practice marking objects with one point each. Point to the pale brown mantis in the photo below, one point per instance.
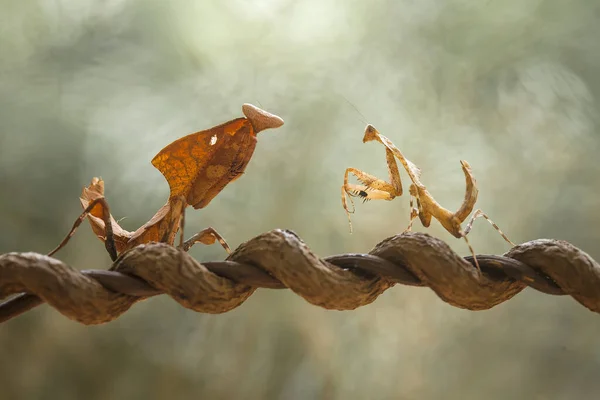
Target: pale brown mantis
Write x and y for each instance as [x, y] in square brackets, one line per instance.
[373, 188]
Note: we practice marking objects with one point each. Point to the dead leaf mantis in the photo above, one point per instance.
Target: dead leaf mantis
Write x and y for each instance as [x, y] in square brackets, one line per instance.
[373, 188]
[197, 167]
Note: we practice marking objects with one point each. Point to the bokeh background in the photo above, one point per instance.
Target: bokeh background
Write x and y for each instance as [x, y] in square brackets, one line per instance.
[97, 88]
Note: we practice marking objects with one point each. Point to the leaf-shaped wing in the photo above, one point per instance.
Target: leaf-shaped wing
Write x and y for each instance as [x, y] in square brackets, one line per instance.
[200, 165]
[182, 161]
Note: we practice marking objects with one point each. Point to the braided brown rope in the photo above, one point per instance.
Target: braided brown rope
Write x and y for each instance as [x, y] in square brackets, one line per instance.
[280, 259]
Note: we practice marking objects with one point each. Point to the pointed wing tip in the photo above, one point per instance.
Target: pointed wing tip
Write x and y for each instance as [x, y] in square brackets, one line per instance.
[159, 160]
[159, 156]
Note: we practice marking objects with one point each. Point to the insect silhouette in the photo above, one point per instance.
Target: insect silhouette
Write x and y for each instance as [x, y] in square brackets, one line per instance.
[197, 167]
[373, 188]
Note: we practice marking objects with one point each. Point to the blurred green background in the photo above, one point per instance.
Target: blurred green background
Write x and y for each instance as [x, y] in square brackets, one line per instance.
[97, 88]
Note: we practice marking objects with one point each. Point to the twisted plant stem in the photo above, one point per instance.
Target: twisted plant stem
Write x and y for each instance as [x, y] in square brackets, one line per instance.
[280, 259]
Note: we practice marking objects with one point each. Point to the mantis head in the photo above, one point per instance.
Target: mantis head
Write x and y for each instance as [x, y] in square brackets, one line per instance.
[371, 134]
[260, 119]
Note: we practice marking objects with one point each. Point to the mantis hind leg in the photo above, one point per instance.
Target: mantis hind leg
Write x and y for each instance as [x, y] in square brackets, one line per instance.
[109, 242]
[414, 213]
[206, 236]
[472, 253]
[479, 213]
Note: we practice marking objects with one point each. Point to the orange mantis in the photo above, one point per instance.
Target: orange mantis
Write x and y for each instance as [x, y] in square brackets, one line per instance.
[197, 167]
[373, 188]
